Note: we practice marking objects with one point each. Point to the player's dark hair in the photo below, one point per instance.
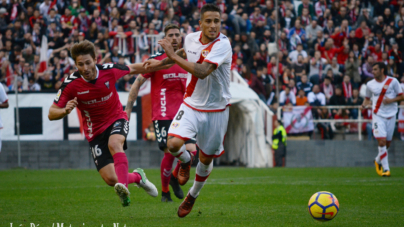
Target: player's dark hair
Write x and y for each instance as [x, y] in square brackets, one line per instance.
[381, 66]
[82, 48]
[210, 8]
[170, 26]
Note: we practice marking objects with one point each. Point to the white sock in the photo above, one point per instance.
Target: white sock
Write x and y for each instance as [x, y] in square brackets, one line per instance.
[383, 158]
[202, 173]
[381, 151]
[183, 155]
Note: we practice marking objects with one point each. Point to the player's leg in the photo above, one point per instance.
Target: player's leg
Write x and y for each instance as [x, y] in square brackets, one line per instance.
[390, 125]
[183, 127]
[161, 128]
[189, 146]
[210, 139]
[379, 132]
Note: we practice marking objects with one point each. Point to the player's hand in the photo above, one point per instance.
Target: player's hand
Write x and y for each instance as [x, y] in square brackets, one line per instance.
[71, 105]
[387, 101]
[151, 64]
[168, 48]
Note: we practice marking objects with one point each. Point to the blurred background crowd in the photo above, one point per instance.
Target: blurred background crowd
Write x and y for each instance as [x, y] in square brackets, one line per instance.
[326, 47]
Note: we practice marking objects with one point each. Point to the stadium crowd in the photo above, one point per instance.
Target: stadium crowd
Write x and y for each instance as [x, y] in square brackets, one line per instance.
[327, 47]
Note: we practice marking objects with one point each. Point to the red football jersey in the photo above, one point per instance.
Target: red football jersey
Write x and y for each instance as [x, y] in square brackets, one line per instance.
[167, 90]
[98, 100]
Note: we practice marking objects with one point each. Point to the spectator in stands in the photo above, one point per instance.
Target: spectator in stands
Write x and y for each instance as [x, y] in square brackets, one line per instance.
[355, 100]
[317, 64]
[312, 31]
[306, 5]
[301, 98]
[287, 97]
[325, 127]
[266, 80]
[292, 86]
[272, 70]
[367, 68]
[327, 88]
[297, 35]
[392, 69]
[337, 99]
[32, 85]
[347, 87]
[304, 84]
[299, 51]
[299, 68]
[316, 99]
[352, 69]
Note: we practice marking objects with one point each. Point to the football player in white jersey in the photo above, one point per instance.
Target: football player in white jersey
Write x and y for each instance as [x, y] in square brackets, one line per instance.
[207, 57]
[384, 92]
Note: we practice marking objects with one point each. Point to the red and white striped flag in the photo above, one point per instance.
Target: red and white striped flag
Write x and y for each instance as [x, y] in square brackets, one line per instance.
[43, 57]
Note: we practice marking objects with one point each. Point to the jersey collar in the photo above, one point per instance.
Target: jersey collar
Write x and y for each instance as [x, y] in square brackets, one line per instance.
[95, 77]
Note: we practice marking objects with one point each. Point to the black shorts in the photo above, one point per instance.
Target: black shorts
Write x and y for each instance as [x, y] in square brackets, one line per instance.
[161, 128]
[99, 145]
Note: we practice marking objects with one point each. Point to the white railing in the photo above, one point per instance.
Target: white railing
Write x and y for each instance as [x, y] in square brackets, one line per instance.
[360, 119]
[141, 43]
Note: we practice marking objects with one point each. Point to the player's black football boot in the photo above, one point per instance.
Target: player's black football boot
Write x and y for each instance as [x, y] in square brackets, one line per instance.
[176, 187]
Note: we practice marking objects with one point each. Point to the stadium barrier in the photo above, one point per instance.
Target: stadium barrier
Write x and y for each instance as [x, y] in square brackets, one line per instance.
[139, 45]
[358, 121]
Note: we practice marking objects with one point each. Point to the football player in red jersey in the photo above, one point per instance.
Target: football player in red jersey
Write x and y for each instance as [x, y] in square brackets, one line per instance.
[167, 91]
[92, 90]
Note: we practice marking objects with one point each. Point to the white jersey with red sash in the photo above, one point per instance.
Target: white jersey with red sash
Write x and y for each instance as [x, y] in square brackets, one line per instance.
[378, 91]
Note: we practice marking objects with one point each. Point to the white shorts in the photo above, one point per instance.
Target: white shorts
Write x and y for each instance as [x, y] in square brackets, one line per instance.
[209, 128]
[383, 128]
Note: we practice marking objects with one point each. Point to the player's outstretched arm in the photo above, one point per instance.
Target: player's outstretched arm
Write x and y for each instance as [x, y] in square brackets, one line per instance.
[56, 113]
[198, 70]
[138, 68]
[134, 90]
[153, 64]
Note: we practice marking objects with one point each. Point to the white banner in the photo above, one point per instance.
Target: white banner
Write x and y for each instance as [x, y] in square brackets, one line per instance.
[35, 124]
[298, 119]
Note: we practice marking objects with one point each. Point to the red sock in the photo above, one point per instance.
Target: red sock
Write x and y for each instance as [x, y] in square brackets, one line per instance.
[134, 178]
[165, 171]
[121, 167]
[193, 153]
[177, 167]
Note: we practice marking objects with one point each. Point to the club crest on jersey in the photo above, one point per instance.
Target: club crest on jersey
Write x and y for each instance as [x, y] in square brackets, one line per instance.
[107, 84]
[205, 53]
[175, 125]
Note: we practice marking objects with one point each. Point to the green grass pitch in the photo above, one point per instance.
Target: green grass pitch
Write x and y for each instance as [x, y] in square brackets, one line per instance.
[231, 197]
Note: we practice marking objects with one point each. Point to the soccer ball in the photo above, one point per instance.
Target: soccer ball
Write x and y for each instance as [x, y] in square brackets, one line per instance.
[323, 206]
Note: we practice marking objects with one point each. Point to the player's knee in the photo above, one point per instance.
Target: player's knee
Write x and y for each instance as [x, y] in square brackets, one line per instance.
[382, 143]
[174, 144]
[110, 180]
[115, 146]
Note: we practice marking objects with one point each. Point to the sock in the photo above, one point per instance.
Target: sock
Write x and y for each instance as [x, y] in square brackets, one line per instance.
[182, 155]
[121, 167]
[177, 167]
[193, 153]
[383, 158]
[165, 171]
[202, 173]
[134, 178]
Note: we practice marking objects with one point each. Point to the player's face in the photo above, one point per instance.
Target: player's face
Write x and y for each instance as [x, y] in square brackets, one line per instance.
[174, 36]
[86, 66]
[376, 71]
[210, 24]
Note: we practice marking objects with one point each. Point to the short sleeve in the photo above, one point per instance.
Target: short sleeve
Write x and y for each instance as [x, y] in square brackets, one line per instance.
[397, 87]
[117, 69]
[63, 96]
[368, 92]
[310, 97]
[220, 52]
[148, 75]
